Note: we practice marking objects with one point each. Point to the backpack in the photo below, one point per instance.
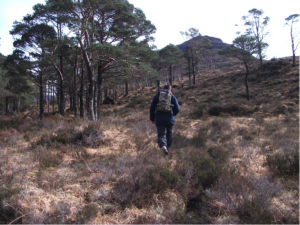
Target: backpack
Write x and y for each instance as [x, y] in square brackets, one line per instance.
[164, 104]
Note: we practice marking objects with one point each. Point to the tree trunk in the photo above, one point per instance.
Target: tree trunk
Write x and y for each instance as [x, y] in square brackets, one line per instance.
[99, 86]
[41, 115]
[126, 88]
[18, 104]
[75, 107]
[158, 85]
[190, 73]
[91, 78]
[294, 58]
[90, 99]
[81, 92]
[57, 96]
[116, 95]
[246, 81]
[61, 106]
[260, 53]
[53, 96]
[6, 106]
[293, 46]
[95, 100]
[171, 78]
[193, 68]
[48, 98]
[105, 93]
[71, 96]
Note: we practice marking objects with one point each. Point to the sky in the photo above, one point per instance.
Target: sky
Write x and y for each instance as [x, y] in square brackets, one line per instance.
[215, 18]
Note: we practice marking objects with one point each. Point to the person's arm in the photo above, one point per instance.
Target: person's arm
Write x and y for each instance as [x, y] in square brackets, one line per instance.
[153, 107]
[176, 107]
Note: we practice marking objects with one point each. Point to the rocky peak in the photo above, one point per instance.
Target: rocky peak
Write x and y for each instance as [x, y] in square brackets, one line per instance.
[216, 43]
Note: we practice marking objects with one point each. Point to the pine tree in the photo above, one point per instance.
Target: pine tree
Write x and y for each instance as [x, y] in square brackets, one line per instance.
[196, 46]
[256, 27]
[294, 32]
[104, 27]
[19, 85]
[33, 39]
[169, 57]
[243, 48]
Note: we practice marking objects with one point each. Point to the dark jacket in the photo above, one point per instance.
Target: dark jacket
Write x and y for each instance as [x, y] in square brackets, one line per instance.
[161, 118]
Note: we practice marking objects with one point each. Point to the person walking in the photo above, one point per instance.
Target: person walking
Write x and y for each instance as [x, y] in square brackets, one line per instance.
[163, 109]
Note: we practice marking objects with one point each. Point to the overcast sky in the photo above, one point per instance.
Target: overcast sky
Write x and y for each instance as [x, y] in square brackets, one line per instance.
[216, 18]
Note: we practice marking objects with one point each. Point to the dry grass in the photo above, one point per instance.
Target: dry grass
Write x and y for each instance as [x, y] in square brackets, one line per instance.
[232, 161]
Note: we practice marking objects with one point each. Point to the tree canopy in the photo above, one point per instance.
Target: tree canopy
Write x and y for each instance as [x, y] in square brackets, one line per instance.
[256, 27]
[243, 48]
[111, 38]
[294, 33]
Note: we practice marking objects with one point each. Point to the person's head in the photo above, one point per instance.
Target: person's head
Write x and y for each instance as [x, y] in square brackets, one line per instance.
[168, 88]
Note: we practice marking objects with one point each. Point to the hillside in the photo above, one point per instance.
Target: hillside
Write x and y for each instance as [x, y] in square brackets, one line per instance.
[232, 160]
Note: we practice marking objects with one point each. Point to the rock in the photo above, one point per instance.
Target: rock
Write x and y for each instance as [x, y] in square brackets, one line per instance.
[216, 43]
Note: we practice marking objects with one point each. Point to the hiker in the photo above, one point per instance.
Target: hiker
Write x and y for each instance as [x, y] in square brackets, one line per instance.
[163, 109]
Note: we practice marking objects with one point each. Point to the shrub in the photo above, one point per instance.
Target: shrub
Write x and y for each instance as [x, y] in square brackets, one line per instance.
[200, 169]
[8, 213]
[197, 141]
[88, 212]
[284, 163]
[9, 136]
[142, 133]
[28, 136]
[207, 171]
[47, 157]
[274, 65]
[249, 197]
[145, 219]
[12, 123]
[124, 190]
[90, 136]
[25, 127]
[158, 179]
[215, 110]
[233, 109]
[62, 136]
[44, 141]
[198, 113]
[181, 141]
[138, 182]
[219, 125]
[218, 154]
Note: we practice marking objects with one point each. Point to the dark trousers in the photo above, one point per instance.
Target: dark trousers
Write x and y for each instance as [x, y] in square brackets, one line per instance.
[165, 135]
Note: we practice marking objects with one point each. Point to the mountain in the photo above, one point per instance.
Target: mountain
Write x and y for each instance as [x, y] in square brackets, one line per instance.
[216, 43]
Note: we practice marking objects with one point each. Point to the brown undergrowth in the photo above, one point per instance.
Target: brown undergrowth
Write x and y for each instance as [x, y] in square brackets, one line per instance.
[232, 160]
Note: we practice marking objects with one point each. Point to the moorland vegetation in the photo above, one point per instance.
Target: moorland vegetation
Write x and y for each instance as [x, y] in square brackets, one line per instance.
[232, 161]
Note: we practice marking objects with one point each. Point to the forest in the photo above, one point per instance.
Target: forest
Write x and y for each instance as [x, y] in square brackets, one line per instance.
[77, 145]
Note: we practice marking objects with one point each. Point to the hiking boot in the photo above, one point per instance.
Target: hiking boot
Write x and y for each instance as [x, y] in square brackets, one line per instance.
[164, 148]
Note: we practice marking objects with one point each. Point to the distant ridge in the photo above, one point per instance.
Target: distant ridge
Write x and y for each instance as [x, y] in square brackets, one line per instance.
[216, 43]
